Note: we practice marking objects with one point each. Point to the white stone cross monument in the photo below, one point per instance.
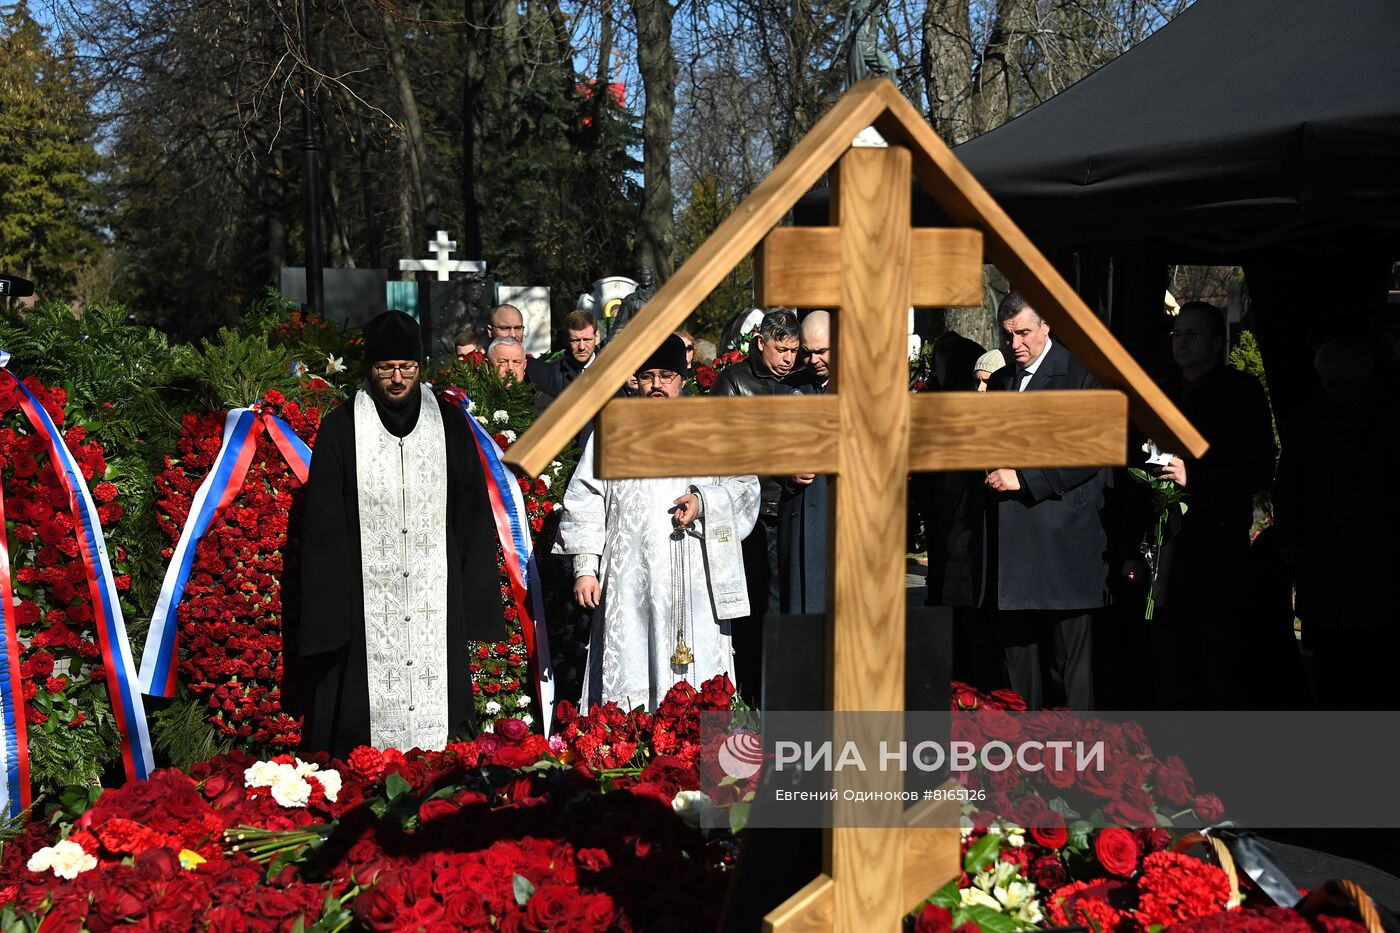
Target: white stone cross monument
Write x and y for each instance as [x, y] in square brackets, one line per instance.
[442, 247]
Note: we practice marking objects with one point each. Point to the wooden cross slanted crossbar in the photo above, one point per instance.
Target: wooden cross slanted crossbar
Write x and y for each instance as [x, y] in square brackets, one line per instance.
[871, 266]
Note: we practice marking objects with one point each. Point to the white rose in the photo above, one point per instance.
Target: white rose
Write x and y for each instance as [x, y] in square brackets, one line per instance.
[261, 774]
[499, 416]
[693, 806]
[65, 858]
[523, 702]
[291, 789]
[492, 707]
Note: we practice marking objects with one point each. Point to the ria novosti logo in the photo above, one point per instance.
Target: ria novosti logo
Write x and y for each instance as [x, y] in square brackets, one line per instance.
[741, 754]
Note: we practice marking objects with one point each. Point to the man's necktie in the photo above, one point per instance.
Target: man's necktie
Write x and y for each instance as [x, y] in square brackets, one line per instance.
[1021, 375]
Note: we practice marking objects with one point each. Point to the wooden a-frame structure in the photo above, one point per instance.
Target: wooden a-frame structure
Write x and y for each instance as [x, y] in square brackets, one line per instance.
[868, 430]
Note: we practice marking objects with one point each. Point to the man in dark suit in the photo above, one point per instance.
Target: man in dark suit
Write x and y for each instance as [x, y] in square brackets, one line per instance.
[1049, 570]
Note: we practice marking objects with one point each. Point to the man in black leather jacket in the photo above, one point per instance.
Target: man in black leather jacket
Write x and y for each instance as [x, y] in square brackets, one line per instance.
[771, 359]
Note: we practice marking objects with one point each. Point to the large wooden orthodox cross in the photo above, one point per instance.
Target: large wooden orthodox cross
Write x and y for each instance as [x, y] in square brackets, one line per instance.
[871, 266]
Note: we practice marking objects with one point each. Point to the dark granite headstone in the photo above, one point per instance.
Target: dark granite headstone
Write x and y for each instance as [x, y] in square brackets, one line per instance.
[352, 296]
[445, 308]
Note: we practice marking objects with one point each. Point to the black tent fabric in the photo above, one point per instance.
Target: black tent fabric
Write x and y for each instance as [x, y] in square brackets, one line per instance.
[1240, 125]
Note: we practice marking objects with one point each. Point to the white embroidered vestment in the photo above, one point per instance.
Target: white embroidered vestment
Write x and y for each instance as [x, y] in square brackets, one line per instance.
[402, 491]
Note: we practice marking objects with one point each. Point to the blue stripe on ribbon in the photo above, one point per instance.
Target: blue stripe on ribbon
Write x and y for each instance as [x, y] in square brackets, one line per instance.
[108, 608]
[522, 545]
[158, 657]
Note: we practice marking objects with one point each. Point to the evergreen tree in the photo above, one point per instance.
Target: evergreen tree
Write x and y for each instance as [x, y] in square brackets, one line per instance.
[48, 200]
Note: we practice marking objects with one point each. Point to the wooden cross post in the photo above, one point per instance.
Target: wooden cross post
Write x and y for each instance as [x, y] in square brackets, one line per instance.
[871, 266]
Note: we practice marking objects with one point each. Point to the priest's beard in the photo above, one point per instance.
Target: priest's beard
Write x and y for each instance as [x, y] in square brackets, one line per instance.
[379, 391]
[398, 415]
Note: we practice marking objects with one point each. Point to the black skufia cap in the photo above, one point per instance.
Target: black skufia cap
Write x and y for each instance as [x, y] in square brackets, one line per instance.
[393, 335]
[669, 356]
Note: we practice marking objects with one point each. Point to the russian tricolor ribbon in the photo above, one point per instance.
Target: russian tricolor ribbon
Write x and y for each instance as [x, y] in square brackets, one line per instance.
[517, 547]
[14, 738]
[242, 428]
[122, 687]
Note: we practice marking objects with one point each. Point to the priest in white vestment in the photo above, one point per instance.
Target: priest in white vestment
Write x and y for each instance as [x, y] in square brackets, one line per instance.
[398, 562]
[658, 561]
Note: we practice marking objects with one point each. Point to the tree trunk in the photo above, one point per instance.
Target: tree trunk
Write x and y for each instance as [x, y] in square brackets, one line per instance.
[274, 198]
[945, 66]
[992, 80]
[656, 60]
[419, 163]
[473, 112]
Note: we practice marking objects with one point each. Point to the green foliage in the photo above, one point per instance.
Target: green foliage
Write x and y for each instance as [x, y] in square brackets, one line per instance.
[118, 380]
[564, 208]
[1245, 356]
[179, 733]
[60, 757]
[234, 368]
[48, 227]
[706, 209]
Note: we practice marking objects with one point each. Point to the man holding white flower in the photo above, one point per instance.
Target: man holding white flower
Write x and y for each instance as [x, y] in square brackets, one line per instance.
[398, 561]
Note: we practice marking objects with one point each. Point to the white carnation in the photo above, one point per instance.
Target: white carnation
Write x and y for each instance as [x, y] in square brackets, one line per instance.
[65, 858]
[499, 416]
[547, 480]
[492, 707]
[509, 436]
[330, 782]
[523, 702]
[471, 405]
[527, 719]
[261, 774]
[304, 768]
[290, 789]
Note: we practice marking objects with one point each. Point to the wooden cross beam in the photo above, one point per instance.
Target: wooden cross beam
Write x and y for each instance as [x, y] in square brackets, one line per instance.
[868, 431]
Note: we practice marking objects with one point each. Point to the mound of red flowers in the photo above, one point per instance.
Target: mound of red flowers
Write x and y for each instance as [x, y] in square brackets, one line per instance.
[64, 684]
[510, 831]
[230, 619]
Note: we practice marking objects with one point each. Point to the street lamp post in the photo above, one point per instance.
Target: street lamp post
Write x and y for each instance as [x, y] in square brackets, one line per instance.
[310, 148]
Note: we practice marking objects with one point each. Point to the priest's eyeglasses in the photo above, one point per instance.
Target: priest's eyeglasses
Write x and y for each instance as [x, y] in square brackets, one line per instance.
[660, 376]
[385, 371]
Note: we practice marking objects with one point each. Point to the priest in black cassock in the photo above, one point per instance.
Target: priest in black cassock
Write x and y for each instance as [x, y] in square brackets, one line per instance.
[398, 560]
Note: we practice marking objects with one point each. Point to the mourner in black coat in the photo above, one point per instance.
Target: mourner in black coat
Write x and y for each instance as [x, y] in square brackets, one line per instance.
[1047, 569]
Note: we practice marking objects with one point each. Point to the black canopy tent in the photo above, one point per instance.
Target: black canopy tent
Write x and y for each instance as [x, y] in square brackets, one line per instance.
[1260, 133]
[1238, 126]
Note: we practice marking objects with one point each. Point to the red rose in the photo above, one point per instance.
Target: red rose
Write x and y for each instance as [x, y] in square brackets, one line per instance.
[1117, 851]
[550, 905]
[1209, 807]
[1048, 872]
[514, 756]
[41, 664]
[512, 730]
[1050, 831]
[430, 810]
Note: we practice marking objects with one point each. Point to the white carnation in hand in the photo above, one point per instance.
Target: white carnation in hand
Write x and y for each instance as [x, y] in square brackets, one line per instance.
[65, 858]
